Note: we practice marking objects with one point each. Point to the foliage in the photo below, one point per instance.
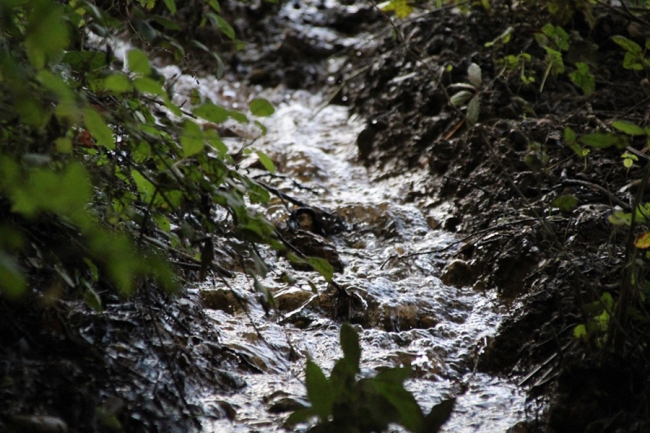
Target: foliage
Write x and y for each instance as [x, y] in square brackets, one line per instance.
[100, 171]
[517, 63]
[402, 8]
[469, 93]
[343, 403]
[634, 55]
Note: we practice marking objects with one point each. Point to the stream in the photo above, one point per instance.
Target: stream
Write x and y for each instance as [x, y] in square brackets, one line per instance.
[407, 316]
[402, 311]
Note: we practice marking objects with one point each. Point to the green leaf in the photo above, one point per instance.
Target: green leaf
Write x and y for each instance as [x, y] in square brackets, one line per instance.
[145, 188]
[222, 25]
[460, 98]
[301, 415]
[92, 299]
[256, 192]
[147, 85]
[389, 384]
[569, 135]
[94, 271]
[632, 62]
[117, 83]
[171, 6]
[138, 62]
[12, 282]
[600, 140]
[65, 193]
[192, 140]
[628, 128]
[261, 126]
[238, 116]
[63, 145]
[401, 8]
[47, 33]
[98, 128]
[554, 58]
[266, 161]
[211, 112]
[350, 345]
[214, 4]
[145, 30]
[167, 23]
[55, 84]
[82, 61]
[321, 266]
[558, 35]
[628, 45]
[261, 107]
[566, 203]
[608, 300]
[438, 415]
[580, 331]
[215, 141]
[319, 391]
[474, 109]
[583, 78]
[141, 152]
[619, 218]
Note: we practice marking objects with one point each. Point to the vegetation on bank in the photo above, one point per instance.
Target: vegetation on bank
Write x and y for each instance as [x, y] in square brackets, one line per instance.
[108, 185]
[104, 178]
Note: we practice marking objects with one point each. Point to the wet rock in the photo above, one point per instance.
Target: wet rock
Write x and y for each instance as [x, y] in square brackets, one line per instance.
[350, 304]
[405, 317]
[310, 244]
[458, 274]
[222, 299]
[316, 220]
[280, 401]
[479, 285]
[432, 222]
[292, 298]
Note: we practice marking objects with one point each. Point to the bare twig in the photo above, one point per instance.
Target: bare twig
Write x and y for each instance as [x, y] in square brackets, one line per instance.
[598, 188]
[460, 241]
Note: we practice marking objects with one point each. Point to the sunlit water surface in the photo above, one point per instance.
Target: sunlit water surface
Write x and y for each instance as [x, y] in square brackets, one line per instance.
[417, 321]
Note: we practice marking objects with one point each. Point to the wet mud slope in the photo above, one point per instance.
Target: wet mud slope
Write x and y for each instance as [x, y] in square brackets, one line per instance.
[508, 175]
[441, 229]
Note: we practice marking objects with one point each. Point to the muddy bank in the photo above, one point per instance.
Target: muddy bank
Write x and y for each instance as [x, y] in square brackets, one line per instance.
[503, 176]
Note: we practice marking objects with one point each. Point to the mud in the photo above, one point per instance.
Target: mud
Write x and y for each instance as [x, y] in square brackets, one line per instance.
[502, 176]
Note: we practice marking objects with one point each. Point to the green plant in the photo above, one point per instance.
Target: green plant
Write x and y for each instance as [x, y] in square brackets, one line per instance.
[517, 64]
[402, 8]
[634, 55]
[469, 93]
[598, 322]
[555, 41]
[344, 403]
[105, 158]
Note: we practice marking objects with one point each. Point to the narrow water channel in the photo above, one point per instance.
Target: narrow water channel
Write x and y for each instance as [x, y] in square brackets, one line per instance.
[404, 314]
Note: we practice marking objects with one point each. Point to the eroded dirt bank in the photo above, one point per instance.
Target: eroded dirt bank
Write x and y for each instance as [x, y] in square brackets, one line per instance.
[503, 174]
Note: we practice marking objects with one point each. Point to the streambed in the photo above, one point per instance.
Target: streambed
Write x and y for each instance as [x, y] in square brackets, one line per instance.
[403, 312]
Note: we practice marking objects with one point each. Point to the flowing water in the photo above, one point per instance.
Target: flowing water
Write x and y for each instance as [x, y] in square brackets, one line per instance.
[404, 314]
[409, 317]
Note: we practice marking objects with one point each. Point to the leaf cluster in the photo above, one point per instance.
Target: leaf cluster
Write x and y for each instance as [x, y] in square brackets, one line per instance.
[103, 158]
[344, 403]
